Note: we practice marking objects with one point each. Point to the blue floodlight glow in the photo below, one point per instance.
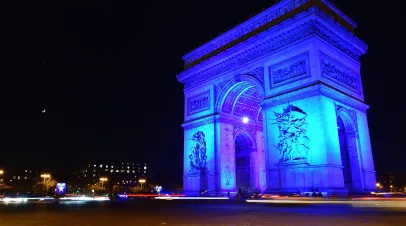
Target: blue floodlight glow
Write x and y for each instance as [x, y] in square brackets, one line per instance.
[264, 116]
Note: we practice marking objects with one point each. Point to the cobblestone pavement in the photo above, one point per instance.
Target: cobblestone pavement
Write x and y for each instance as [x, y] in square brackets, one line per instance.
[154, 212]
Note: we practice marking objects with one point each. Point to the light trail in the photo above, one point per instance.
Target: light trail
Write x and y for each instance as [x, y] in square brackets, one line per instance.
[376, 203]
[192, 198]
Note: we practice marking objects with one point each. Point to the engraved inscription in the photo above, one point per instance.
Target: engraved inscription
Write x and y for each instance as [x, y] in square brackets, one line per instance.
[199, 103]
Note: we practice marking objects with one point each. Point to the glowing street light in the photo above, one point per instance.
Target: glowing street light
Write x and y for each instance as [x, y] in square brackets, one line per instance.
[245, 120]
[45, 176]
[378, 185]
[141, 181]
[1, 172]
[103, 179]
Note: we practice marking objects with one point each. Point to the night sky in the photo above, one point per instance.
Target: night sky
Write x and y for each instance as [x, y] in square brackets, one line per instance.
[106, 74]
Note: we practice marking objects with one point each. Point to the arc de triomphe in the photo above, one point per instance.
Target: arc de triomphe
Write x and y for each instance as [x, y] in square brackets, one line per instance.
[276, 104]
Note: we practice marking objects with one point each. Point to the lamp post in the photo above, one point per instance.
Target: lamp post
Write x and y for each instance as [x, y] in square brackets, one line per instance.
[1, 175]
[141, 181]
[103, 179]
[45, 176]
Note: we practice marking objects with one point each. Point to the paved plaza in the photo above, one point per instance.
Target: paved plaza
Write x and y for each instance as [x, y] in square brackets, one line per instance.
[188, 213]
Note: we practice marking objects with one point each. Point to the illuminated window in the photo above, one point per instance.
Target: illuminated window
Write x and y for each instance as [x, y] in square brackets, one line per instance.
[112, 171]
[107, 166]
[94, 175]
[18, 177]
[101, 166]
[25, 178]
[122, 171]
[133, 171]
[107, 170]
[26, 171]
[128, 167]
[128, 171]
[145, 167]
[117, 171]
[145, 171]
[112, 167]
[94, 165]
[14, 177]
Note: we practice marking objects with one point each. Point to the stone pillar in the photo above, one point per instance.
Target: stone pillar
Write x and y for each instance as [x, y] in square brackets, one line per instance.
[303, 146]
[367, 163]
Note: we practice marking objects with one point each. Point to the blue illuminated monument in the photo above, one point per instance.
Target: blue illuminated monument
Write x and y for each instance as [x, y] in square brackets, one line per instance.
[276, 104]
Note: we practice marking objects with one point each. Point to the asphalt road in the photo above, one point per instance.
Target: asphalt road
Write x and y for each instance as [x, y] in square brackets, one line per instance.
[162, 212]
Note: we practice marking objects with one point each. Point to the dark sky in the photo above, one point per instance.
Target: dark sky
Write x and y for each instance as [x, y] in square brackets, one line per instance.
[106, 74]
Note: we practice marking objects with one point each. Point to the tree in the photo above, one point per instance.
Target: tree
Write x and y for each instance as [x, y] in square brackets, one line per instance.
[48, 184]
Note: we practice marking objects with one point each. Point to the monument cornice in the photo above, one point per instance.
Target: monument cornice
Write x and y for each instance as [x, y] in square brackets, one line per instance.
[267, 43]
[315, 89]
[275, 15]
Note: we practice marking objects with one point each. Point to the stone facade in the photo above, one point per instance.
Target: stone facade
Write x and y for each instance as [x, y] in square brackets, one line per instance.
[272, 103]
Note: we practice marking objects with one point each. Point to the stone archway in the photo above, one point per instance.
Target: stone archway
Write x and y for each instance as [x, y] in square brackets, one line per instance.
[241, 119]
[282, 85]
[349, 151]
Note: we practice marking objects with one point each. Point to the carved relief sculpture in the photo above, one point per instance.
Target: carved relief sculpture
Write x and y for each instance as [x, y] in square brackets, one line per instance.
[289, 70]
[293, 142]
[338, 73]
[198, 157]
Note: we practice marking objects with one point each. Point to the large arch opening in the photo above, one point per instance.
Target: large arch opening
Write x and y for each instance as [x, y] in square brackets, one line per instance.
[241, 111]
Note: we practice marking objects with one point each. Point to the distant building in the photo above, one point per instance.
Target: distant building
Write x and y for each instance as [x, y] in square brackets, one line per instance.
[20, 176]
[120, 173]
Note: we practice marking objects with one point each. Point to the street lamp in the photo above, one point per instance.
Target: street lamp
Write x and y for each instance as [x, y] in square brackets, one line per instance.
[45, 176]
[245, 120]
[1, 173]
[103, 179]
[141, 181]
[378, 185]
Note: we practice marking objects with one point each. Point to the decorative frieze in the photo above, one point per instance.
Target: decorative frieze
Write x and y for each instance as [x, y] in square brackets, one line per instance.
[199, 103]
[338, 73]
[317, 89]
[268, 44]
[289, 70]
